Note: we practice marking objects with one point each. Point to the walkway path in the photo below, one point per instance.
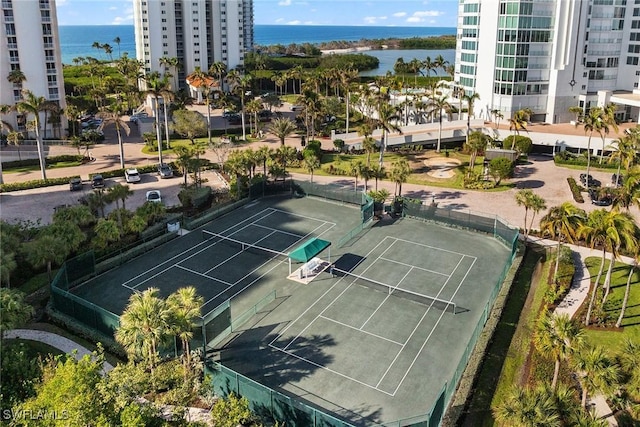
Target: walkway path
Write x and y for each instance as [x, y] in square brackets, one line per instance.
[576, 296]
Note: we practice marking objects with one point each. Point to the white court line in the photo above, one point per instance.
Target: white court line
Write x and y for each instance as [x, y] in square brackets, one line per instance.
[189, 257]
[205, 275]
[277, 229]
[276, 264]
[385, 300]
[419, 322]
[235, 255]
[434, 328]
[336, 298]
[413, 266]
[330, 370]
[318, 300]
[181, 254]
[360, 330]
[429, 246]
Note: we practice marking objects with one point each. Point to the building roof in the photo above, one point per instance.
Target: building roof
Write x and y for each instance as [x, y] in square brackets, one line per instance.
[206, 81]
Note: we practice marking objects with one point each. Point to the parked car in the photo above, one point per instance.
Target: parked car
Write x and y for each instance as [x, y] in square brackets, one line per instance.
[135, 116]
[589, 181]
[234, 119]
[154, 196]
[265, 115]
[228, 113]
[617, 180]
[296, 107]
[164, 170]
[600, 197]
[75, 184]
[132, 175]
[97, 181]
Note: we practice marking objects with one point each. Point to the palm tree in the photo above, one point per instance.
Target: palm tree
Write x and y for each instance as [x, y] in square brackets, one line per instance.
[15, 311]
[32, 104]
[355, 167]
[167, 97]
[239, 83]
[526, 407]
[627, 289]
[557, 336]
[45, 251]
[597, 371]
[428, 65]
[562, 223]
[386, 120]
[311, 163]
[263, 154]
[117, 42]
[184, 309]
[144, 325]
[184, 160]
[530, 201]
[440, 104]
[113, 114]
[119, 193]
[400, 172]
[155, 86]
[8, 265]
[592, 122]
[15, 138]
[470, 98]
[520, 120]
[608, 123]
[347, 77]
[611, 230]
[497, 115]
[218, 70]
[282, 127]
[476, 142]
[625, 153]
[17, 77]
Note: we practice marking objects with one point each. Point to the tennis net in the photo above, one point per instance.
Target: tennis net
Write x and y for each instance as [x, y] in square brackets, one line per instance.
[439, 303]
[242, 246]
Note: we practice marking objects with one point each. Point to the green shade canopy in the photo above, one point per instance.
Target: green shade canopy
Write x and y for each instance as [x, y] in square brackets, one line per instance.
[309, 249]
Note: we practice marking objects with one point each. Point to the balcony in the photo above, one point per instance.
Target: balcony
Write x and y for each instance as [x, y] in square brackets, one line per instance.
[14, 60]
[7, 4]
[8, 19]
[46, 19]
[52, 84]
[12, 45]
[49, 58]
[52, 71]
[48, 45]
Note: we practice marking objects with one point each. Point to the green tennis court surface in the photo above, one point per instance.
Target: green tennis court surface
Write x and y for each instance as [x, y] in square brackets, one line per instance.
[372, 340]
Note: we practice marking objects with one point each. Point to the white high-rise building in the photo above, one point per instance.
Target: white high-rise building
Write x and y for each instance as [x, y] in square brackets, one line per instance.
[30, 53]
[196, 32]
[550, 55]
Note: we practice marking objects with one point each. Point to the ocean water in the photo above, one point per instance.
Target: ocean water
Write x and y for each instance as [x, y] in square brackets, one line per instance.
[76, 40]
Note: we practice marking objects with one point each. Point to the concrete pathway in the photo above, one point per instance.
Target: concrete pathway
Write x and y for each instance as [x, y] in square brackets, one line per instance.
[576, 296]
[54, 340]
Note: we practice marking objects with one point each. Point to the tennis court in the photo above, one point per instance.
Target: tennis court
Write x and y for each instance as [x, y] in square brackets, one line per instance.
[374, 339]
[228, 256]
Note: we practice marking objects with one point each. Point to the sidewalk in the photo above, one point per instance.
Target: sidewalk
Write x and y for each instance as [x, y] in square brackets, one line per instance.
[576, 296]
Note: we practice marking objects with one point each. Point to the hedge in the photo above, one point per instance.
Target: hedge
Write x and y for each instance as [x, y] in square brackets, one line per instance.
[566, 158]
[36, 162]
[576, 190]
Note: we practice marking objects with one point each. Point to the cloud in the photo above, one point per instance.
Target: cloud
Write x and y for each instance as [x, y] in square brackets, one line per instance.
[280, 20]
[373, 19]
[399, 14]
[284, 3]
[113, 8]
[296, 22]
[122, 19]
[420, 16]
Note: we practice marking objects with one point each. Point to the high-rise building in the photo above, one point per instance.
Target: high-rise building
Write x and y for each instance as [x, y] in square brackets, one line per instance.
[550, 55]
[198, 33]
[30, 59]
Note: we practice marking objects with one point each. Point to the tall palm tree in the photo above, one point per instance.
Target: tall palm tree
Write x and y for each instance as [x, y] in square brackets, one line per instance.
[520, 120]
[167, 97]
[625, 153]
[116, 194]
[470, 98]
[608, 123]
[155, 86]
[627, 289]
[428, 65]
[113, 114]
[557, 336]
[530, 201]
[218, 70]
[592, 122]
[17, 77]
[597, 372]
[32, 104]
[400, 172]
[562, 223]
[264, 154]
[184, 309]
[610, 230]
[117, 42]
[386, 120]
[144, 326]
[240, 83]
[282, 127]
[440, 105]
[347, 77]
[47, 250]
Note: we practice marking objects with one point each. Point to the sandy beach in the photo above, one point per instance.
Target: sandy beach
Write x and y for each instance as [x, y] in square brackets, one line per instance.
[347, 50]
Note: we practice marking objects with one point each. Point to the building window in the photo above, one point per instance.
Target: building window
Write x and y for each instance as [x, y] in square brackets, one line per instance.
[632, 60]
[164, 20]
[53, 93]
[634, 48]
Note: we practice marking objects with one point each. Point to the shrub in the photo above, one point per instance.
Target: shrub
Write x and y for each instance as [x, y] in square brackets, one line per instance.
[575, 190]
[567, 158]
[36, 183]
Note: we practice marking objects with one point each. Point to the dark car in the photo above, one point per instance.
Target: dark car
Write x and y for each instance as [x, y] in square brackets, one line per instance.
[234, 119]
[589, 181]
[617, 179]
[75, 184]
[265, 115]
[97, 181]
[600, 197]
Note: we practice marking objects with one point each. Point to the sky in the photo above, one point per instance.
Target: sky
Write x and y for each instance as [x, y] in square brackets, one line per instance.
[400, 13]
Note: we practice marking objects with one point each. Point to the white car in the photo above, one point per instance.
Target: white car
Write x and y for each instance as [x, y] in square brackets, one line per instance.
[132, 175]
[154, 196]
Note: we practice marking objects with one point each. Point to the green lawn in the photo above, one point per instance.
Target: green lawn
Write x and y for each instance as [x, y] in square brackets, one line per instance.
[613, 339]
[37, 348]
[32, 168]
